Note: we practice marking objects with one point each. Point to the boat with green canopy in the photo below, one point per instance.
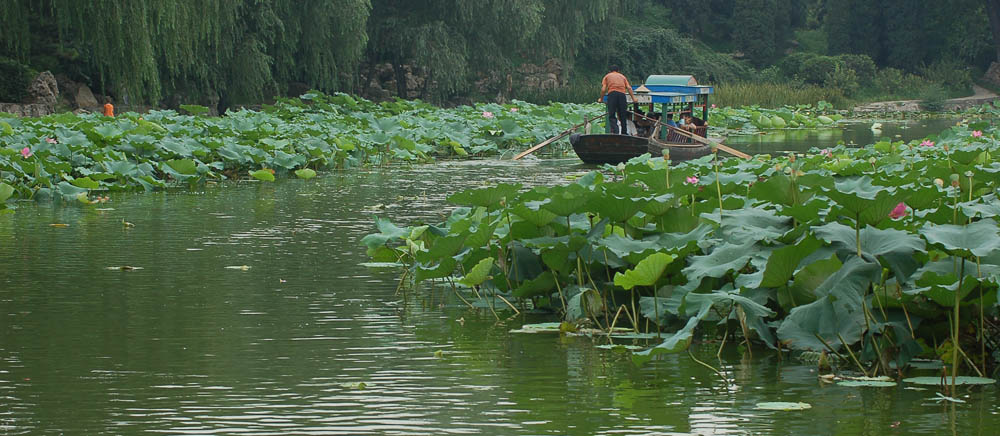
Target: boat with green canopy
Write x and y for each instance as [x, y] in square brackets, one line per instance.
[658, 97]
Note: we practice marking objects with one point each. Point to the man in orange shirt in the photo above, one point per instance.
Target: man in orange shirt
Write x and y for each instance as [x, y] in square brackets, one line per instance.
[615, 85]
[109, 109]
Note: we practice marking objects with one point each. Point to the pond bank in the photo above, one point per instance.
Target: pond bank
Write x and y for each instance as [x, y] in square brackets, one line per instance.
[979, 97]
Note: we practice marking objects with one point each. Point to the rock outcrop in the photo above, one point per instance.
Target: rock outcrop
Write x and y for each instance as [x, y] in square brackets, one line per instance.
[44, 89]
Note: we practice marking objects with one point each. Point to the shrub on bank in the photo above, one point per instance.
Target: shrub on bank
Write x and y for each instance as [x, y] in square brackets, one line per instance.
[16, 80]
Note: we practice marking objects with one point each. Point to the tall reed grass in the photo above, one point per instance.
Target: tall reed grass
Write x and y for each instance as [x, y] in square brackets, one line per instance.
[773, 95]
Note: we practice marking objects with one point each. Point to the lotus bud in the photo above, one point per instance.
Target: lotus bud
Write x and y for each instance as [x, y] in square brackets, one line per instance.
[946, 148]
[955, 183]
[872, 160]
[791, 158]
[666, 154]
[939, 183]
[715, 149]
[968, 173]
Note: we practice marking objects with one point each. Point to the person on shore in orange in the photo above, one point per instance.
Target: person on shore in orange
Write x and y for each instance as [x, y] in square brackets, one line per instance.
[109, 109]
[615, 85]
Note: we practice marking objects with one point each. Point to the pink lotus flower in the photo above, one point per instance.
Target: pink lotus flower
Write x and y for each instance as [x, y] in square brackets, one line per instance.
[513, 109]
[692, 179]
[927, 143]
[826, 153]
[713, 105]
[26, 152]
[898, 212]
[487, 114]
[977, 133]
[52, 140]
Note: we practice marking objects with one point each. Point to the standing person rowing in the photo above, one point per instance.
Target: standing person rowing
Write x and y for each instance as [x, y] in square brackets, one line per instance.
[615, 85]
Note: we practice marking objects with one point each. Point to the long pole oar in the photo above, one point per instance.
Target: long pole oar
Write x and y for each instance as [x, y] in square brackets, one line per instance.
[556, 138]
[701, 139]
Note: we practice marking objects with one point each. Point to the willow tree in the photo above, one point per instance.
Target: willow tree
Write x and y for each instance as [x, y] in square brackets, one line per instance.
[245, 50]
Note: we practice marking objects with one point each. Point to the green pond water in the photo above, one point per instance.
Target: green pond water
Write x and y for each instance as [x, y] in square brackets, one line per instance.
[252, 314]
[852, 133]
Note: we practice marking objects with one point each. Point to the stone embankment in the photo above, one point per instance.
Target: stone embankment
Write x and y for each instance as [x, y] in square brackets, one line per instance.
[980, 97]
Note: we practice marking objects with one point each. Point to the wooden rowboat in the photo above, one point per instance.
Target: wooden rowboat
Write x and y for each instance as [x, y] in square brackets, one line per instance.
[615, 149]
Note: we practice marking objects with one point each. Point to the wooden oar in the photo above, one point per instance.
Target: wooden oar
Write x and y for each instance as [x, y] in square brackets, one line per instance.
[556, 138]
[701, 139]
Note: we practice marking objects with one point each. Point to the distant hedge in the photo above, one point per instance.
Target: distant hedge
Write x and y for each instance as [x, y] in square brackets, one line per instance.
[17, 79]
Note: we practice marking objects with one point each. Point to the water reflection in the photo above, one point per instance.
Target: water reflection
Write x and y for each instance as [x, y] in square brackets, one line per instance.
[306, 341]
[856, 134]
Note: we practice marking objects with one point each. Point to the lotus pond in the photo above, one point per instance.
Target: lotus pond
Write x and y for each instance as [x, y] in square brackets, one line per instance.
[247, 311]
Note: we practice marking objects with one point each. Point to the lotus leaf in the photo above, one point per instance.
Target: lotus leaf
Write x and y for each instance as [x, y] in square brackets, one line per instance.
[305, 173]
[783, 406]
[979, 238]
[960, 380]
[478, 274]
[264, 175]
[646, 273]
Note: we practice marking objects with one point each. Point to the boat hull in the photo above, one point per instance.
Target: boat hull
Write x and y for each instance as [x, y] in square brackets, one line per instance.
[615, 149]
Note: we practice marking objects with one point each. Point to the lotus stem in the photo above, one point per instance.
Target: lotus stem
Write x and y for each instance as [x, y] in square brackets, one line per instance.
[742, 316]
[954, 331]
[853, 357]
[721, 375]
[718, 187]
[857, 233]
[828, 347]
[559, 288]
[516, 312]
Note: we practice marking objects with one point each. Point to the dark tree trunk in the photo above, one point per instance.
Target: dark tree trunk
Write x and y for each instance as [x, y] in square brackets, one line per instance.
[993, 11]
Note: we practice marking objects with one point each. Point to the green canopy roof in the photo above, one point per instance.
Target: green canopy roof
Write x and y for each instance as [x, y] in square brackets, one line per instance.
[671, 80]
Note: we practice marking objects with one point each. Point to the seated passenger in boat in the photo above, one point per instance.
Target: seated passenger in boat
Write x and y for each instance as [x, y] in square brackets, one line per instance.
[692, 122]
[670, 121]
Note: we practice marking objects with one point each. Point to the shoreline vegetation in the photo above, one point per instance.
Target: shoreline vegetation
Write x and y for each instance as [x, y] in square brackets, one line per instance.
[75, 157]
[871, 258]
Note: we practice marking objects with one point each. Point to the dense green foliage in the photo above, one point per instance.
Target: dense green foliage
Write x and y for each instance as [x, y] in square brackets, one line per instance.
[246, 51]
[884, 253]
[90, 154]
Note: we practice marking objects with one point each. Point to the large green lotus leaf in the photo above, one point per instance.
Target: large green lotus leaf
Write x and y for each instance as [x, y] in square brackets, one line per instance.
[478, 274]
[108, 131]
[86, 183]
[609, 203]
[750, 224]
[979, 238]
[5, 191]
[541, 285]
[176, 146]
[680, 241]
[482, 235]
[387, 231]
[655, 179]
[923, 197]
[783, 406]
[582, 303]
[263, 174]
[442, 270]
[559, 258]
[624, 246]
[806, 212]
[677, 342]
[779, 189]
[677, 220]
[837, 313]
[485, 197]
[723, 259]
[646, 273]
[658, 205]
[960, 380]
[533, 213]
[855, 194]
[445, 246]
[751, 308]
[895, 246]
[68, 191]
[807, 280]
[305, 173]
[783, 262]
[574, 242]
[941, 288]
[567, 200]
[988, 207]
[184, 166]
